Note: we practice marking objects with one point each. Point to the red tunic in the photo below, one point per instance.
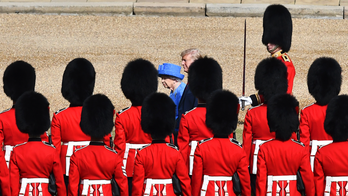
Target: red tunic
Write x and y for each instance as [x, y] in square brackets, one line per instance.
[9, 132]
[35, 159]
[128, 130]
[256, 128]
[278, 158]
[96, 162]
[220, 157]
[312, 124]
[65, 127]
[331, 160]
[284, 57]
[160, 160]
[4, 177]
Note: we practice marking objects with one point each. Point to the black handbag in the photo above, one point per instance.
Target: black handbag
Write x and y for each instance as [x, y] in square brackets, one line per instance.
[300, 184]
[237, 189]
[176, 185]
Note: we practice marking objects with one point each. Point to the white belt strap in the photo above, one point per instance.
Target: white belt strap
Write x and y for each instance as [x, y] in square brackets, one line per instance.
[8, 149]
[207, 179]
[26, 181]
[330, 179]
[87, 183]
[256, 152]
[315, 144]
[126, 152]
[271, 179]
[70, 152]
[150, 182]
[193, 145]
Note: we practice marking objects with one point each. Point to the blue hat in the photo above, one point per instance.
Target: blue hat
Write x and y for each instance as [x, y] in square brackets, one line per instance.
[170, 70]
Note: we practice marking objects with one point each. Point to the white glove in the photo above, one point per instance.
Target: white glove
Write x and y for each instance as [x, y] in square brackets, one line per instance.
[247, 101]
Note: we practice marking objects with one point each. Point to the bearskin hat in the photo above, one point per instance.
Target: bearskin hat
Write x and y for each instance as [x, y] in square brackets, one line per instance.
[324, 79]
[78, 81]
[32, 113]
[271, 78]
[282, 115]
[204, 77]
[222, 113]
[139, 79]
[18, 78]
[158, 115]
[336, 120]
[277, 26]
[97, 116]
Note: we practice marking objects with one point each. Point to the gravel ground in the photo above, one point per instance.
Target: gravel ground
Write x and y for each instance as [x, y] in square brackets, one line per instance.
[49, 42]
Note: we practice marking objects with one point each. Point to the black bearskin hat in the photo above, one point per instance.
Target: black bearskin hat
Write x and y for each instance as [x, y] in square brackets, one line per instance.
[324, 79]
[277, 26]
[204, 77]
[158, 115]
[97, 116]
[336, 120]
[18, 78]
[78, 81]
[32, 113]
[282, 116]
[222, 113]
[271, 78]
[139, 79]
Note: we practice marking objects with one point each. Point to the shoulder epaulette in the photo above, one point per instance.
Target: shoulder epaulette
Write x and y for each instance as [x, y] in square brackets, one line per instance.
[108, 148]
[19, 144]
[234, 141]
[172, 146]
[298, 142]
[285, 57]
[57, 112]
[6, 110]
[253, 107]
[307, 106]
[124, 109]
[80, 148]
[144, 146]
[205, 140]
[48, 144]
[267, 141]
[190, 110]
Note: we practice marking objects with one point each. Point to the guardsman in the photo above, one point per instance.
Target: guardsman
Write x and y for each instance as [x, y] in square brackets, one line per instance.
[205, 76]
[277, 35]
[270, 79]
[34, 161]
[67, 136]
[18, 78]
[93, 168]
[330, 168]
[159, 167]
[281, 161]
[324, 83]
[139, 79]
[217, 159]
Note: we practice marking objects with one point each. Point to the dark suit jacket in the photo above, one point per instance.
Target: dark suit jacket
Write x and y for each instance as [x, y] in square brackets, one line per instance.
[188, 102]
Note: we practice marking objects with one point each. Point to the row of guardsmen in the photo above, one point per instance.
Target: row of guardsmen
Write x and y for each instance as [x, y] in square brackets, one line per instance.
[81, 159]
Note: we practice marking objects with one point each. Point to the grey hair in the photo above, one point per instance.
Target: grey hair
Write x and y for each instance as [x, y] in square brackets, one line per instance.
[194, 52]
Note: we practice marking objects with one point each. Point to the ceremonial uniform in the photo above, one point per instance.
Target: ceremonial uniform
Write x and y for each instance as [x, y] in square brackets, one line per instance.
[4, 177]
[283, 159]
[65, 127]
[35, 160]
[312, 124]
[219, 157]
[256, 128]
[331, 160]
[9, 133]
[96, 162]
[160, 161]
[284, 57]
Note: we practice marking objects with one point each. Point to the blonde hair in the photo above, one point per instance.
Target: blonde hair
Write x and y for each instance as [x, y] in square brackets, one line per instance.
[194, 52]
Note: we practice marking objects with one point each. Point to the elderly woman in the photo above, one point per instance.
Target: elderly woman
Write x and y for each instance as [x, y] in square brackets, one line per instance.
[172, 79]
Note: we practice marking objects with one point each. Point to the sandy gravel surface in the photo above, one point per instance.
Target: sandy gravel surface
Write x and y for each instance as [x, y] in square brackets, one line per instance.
[49, 42]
